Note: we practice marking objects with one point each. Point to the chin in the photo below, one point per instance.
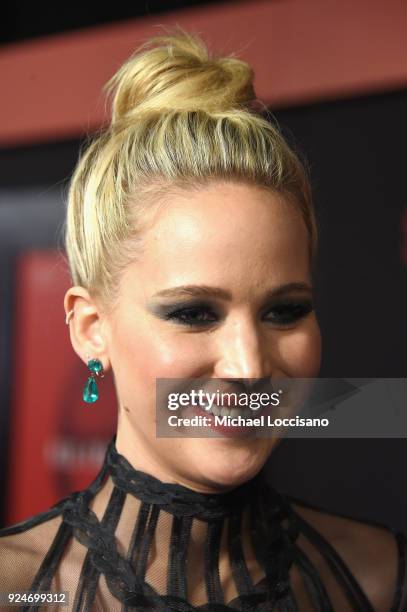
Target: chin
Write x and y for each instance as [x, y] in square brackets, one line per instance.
[230, 467]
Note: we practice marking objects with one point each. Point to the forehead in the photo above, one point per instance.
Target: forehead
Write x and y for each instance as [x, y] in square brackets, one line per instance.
[228, 230]
[228, 211]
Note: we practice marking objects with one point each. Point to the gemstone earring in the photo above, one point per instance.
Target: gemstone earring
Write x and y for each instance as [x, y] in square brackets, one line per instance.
[91, 392]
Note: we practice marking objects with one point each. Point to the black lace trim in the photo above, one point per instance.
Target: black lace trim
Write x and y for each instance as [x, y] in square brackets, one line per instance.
[173, 498]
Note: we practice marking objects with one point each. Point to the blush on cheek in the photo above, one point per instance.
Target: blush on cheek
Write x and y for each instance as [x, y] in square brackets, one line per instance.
[173, 357]
[143, 355]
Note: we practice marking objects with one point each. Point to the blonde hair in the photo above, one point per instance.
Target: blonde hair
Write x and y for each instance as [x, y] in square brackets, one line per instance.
[180, 119]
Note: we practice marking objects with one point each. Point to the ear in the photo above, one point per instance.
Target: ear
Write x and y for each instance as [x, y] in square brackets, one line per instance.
[86, 326]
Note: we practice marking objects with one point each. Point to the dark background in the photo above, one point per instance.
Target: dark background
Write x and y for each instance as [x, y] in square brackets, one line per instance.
[356, 152]
[24, 20]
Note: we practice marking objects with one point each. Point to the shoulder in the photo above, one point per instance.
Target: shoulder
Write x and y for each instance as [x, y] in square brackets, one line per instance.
[23, 548]
[373, 553]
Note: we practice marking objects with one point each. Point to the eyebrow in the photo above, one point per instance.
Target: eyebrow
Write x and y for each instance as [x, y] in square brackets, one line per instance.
[217, 292]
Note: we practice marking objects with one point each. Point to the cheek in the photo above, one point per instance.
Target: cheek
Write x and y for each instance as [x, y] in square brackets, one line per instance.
[150, 353]
[301, 351]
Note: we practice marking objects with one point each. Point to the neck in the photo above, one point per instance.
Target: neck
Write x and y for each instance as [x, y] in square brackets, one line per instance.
[138, 453]
[160, 518]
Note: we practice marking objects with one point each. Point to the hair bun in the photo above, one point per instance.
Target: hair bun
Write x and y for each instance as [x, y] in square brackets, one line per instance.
[176, 72]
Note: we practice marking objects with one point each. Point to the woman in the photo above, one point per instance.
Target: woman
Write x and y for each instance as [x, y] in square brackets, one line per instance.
[191, 236]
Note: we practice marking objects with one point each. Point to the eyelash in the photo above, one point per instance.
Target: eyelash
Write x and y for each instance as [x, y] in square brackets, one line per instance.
[290, 312]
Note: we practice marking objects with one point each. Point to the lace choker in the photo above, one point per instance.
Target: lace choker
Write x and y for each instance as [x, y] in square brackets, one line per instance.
[173, 498]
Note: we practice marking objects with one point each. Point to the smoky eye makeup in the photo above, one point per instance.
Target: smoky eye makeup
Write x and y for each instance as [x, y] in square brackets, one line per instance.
[287, 312]
[193, 313]
[186, 312]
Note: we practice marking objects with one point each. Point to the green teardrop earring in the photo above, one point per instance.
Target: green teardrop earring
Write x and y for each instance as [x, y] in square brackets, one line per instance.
[91, 392]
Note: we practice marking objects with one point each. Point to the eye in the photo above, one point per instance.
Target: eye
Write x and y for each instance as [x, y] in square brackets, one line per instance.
[287, 313]
[200, 315]
[193, 315]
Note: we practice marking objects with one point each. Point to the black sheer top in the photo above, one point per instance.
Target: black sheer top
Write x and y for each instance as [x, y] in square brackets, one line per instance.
[132, 542]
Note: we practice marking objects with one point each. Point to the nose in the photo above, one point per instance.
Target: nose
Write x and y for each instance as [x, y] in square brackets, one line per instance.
[242, 352]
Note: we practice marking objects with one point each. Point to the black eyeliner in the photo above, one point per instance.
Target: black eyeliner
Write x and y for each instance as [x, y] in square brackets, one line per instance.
[165, 310]
[196, 313]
